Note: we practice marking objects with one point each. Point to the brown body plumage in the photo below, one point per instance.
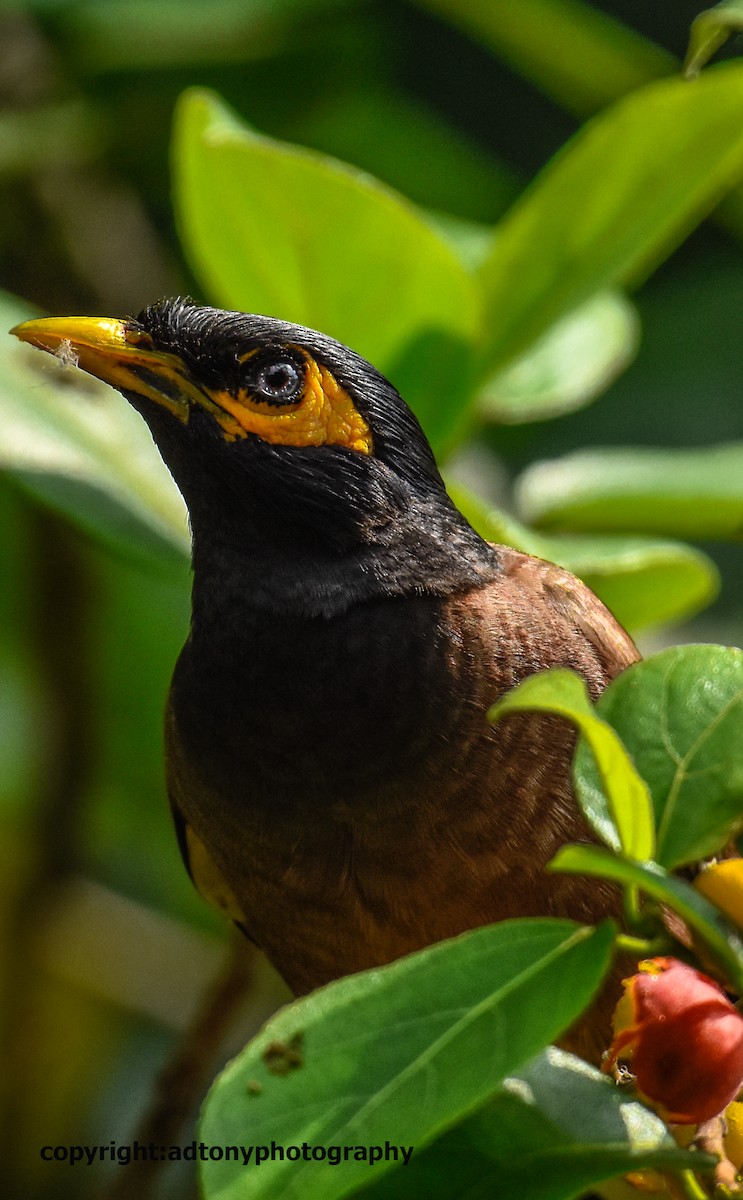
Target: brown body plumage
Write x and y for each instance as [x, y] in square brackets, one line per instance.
[334, 782]
[379, 812]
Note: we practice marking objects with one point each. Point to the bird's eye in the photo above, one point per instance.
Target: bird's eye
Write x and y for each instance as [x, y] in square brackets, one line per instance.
[278, 380]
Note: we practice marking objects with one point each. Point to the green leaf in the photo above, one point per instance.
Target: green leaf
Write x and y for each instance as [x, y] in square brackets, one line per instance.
[276, 229]
[680, 715]
[691, 493]
[469, 240]
[77, 446]
[571, 364]
[398, 1054]
[628, 821]
[643, 581]
[612, 204]
[720, 936]
[710, 30]
[381, 128]
[555, 1129]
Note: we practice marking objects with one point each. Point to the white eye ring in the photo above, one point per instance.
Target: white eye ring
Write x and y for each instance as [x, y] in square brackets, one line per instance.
[279, 381]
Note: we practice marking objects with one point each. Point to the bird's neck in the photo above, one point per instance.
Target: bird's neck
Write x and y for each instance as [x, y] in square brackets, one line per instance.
[298, 647]
[313, 711]
[268, 568]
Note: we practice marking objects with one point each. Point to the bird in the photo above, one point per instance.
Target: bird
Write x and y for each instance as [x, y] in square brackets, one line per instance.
[335, 786]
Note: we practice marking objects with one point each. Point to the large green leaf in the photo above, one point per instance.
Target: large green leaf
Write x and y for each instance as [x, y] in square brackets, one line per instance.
[397, 1055]
[383, 129]
[680, 715]
[78, 446]
[643, 581]
[568, 366]
[612, 204]
[554, 1130]
[276, 229]
[584, 58]
[626, 821]
[693, 493]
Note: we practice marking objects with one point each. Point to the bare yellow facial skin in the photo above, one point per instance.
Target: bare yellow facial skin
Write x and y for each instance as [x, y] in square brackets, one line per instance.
[323, 415]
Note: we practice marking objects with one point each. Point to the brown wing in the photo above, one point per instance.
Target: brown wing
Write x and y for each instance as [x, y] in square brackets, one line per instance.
[563, 604]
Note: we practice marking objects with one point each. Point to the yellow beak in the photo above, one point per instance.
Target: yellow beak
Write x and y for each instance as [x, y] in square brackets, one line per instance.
[118, 355]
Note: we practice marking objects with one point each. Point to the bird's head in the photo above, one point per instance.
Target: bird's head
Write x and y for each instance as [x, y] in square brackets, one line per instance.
[276, 435]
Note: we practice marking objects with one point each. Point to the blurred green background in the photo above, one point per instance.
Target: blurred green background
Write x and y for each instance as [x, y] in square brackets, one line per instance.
[456, 103]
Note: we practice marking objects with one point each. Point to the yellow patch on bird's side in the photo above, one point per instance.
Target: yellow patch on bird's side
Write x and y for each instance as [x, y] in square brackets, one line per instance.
[208, 879]
[324, 415]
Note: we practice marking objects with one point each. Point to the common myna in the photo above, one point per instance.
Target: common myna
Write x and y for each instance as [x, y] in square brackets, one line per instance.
[335, 785]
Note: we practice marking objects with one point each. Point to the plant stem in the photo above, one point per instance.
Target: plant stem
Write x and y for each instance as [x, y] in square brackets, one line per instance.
[632, 907]
[686, 1186]
[642, 947]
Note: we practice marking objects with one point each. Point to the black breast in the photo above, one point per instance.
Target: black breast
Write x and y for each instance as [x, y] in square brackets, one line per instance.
[306, 711]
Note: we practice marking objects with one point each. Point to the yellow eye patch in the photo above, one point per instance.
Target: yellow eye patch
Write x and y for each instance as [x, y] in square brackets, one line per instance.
[317, 412]
[323, 415]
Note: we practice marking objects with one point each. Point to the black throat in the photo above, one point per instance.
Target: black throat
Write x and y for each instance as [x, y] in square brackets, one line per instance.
[309, 532]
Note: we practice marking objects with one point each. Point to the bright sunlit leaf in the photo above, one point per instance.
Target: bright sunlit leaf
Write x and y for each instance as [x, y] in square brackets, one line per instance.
[624, 818]
[630, 185]
[680, 715]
